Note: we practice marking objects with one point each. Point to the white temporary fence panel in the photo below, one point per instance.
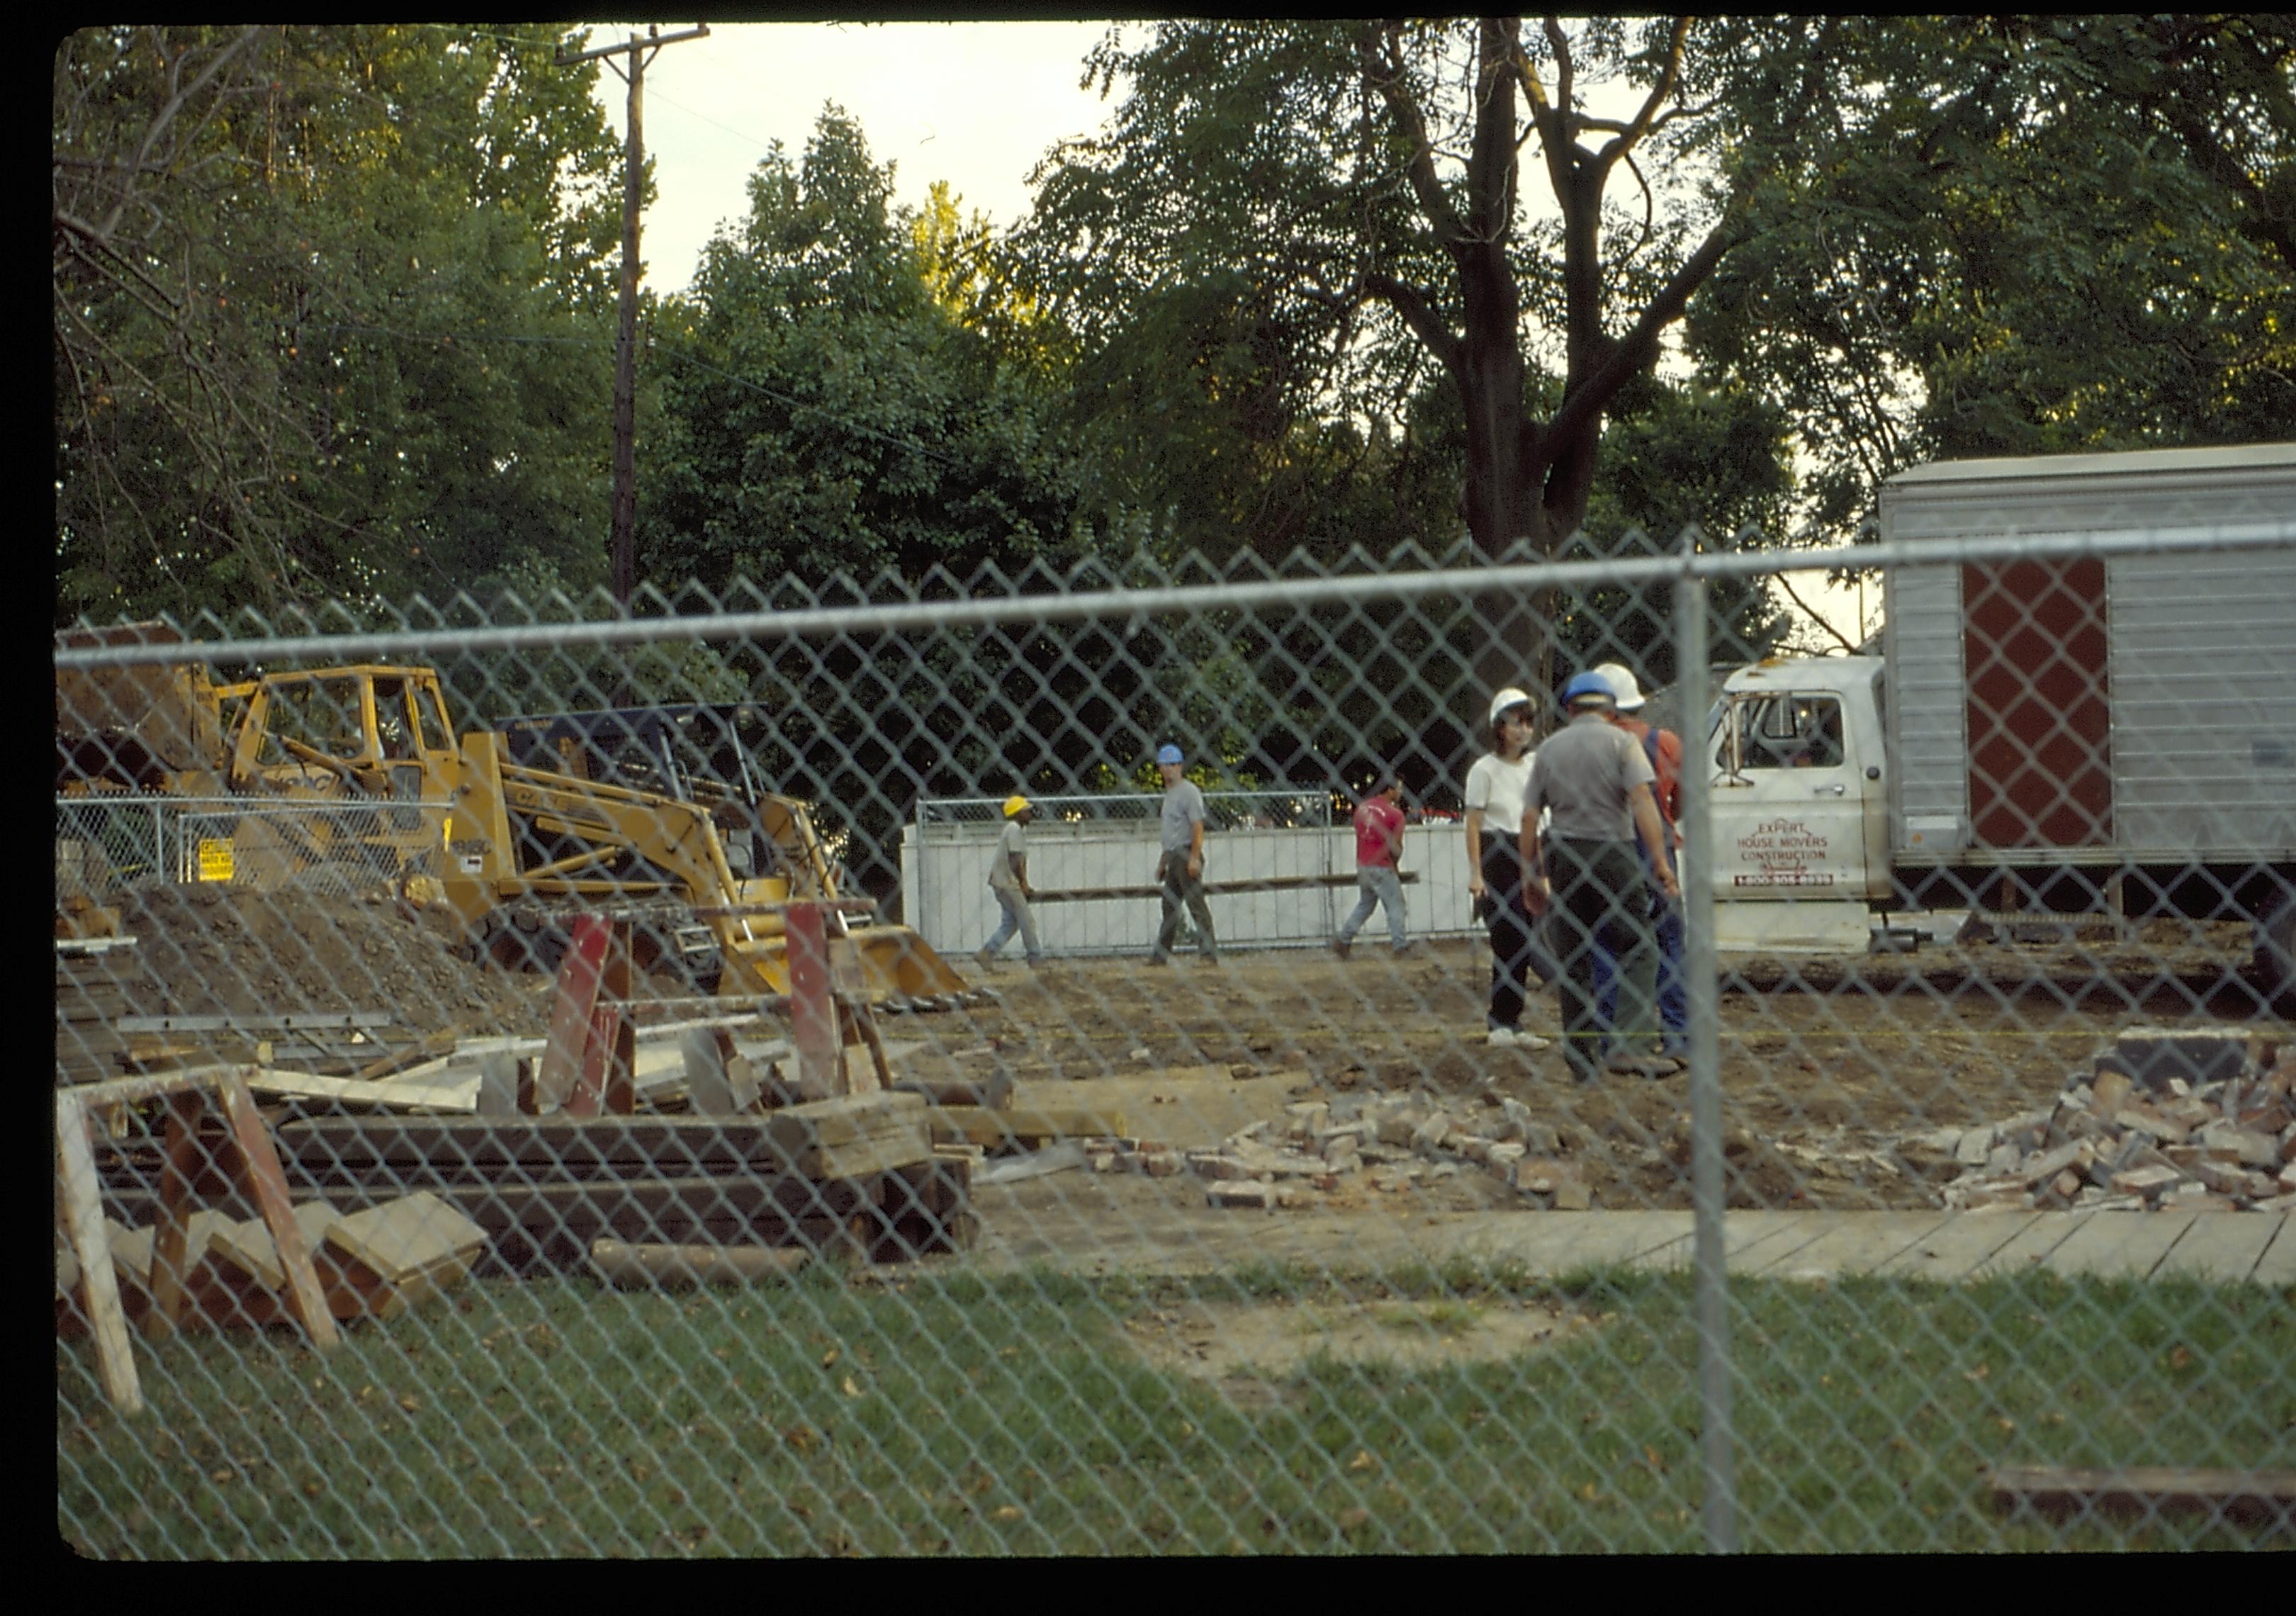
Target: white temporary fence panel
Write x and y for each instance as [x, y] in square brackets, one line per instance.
[944, 885]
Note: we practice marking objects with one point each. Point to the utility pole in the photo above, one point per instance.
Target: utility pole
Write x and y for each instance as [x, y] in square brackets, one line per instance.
[625, 348]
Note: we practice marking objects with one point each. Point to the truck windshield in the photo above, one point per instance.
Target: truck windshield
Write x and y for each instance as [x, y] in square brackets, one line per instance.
[1772, 731]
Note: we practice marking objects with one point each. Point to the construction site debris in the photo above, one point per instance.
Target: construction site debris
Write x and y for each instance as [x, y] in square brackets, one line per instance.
[2166, 1119]
[375, 1264]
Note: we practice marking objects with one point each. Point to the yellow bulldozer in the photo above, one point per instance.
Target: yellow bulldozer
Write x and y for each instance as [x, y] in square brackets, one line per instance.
[342, 775]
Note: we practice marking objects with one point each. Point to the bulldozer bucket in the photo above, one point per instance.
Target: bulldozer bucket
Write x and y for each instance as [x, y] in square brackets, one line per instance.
[886, 965]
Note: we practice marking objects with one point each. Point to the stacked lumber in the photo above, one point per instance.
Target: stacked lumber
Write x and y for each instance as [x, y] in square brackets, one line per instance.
[857, 1174]
[2167, 1120]
[89, 1001]
[371, 1264]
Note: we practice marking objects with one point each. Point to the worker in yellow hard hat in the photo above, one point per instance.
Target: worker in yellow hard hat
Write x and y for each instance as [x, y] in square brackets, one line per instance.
[1008, 879]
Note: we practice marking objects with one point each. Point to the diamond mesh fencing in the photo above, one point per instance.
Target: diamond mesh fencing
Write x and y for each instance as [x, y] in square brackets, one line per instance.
[792, 1073]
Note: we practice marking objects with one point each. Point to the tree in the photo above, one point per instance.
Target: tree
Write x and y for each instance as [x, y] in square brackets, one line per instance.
[826, 409]
[2033, 236]
[332, 311]
[1359, 186]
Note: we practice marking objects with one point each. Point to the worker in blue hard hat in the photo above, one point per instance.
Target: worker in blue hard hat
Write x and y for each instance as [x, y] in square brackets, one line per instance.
[1180, 861]
[1597, 784]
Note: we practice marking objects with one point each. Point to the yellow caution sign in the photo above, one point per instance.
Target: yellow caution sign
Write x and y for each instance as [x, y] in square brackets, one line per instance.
[214, 859]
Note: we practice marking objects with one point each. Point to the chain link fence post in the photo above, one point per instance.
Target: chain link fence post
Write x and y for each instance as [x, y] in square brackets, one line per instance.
[1718, 1509]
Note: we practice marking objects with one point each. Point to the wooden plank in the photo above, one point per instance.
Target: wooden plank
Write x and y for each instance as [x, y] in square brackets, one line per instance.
[81, 1204]
[541, 1144]
[2268, 1496]
[643, 1267]
[430, 1048]
[426, 1087]
[248, 1245]
[355, 1019]
[561, 1067]
[1955, 1250]
[977, 1125]
[2221, 1246]
[178, 1169]
[863, 1158]
[2115, 1244]
[2277, 1265]
[1858, 1243]
[404, 1236]
[1216, 889]
[2039, 1235]
[994, 1093]
[135, 1251]
[839, 1119]
[267, 1185]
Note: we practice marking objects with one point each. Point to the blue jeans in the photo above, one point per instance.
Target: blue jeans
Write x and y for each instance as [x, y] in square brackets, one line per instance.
[1673, 999]
[1017, 918]
[1380, 885]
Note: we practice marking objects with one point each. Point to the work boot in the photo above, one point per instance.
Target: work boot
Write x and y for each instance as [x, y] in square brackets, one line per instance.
[1626, 1064]
[1340, 946]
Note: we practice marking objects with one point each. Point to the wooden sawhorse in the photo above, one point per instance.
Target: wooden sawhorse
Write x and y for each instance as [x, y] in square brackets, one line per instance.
[79, 1203]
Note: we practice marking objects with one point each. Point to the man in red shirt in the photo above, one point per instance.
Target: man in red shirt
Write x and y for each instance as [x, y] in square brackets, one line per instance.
[1379, 844]
[1663, 748]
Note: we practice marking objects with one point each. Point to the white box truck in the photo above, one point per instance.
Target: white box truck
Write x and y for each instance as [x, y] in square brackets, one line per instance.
[2078, 733]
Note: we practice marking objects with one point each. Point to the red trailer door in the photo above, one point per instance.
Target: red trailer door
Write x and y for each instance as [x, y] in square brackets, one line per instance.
[2040, 716]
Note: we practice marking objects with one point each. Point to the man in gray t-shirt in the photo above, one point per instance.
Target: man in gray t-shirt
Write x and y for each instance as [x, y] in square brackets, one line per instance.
[1597, 783]
[1180, 862]
[1008, 879]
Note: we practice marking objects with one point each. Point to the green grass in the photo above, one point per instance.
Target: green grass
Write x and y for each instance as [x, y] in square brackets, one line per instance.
[964, 1416]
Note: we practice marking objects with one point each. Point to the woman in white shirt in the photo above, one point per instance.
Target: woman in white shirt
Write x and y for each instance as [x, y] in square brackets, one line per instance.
[1496, 785]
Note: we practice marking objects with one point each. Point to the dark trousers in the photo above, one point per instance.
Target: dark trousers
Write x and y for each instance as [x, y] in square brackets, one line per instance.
[1600, 901]
[1182, 890]
[1516, 951]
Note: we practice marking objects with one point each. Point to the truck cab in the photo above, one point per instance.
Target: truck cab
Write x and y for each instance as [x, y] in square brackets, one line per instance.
[1796, 765]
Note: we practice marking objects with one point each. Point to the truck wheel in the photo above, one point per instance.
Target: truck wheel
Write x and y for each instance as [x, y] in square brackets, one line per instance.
[2275, 952]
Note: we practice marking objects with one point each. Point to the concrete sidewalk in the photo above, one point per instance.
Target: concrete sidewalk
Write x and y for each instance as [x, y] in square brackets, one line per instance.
[2255, 1248]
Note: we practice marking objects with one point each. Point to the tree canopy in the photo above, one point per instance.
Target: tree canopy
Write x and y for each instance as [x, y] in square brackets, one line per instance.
[332, 312]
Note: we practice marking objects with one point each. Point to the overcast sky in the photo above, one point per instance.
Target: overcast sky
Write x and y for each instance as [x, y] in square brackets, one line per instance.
[974, 103]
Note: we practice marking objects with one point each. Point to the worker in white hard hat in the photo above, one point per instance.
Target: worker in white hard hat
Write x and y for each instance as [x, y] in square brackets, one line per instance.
[1663, 748]
[1008, 879]
[1495, 787]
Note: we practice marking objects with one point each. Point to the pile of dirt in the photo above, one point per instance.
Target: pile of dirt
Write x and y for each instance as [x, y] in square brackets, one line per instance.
[213, 949]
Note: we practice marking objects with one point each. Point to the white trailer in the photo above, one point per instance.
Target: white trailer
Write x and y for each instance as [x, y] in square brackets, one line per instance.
[2066, 732]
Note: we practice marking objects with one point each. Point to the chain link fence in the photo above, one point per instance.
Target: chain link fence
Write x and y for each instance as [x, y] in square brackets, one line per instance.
[653, 1167]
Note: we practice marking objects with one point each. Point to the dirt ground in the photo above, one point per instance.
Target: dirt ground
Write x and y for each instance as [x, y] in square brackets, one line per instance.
[215, 950]
[1829, 1069]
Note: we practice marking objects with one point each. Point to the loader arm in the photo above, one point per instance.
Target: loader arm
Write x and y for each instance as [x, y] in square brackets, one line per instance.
[680, 840]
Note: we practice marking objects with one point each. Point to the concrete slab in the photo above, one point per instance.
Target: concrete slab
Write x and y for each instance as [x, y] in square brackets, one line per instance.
[2042, 1234]
[2120, 1244]
[1856, 1244]
[1958, 1248]
[1554, 1242]
[2277, 1265]
[2219, 1246]
[1748, 1239]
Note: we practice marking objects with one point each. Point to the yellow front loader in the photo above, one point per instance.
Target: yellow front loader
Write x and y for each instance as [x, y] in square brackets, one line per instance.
[339, 776]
